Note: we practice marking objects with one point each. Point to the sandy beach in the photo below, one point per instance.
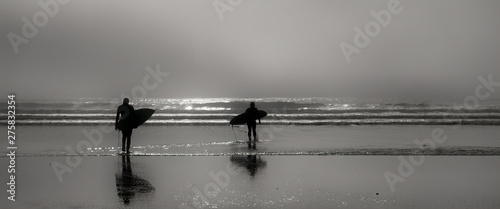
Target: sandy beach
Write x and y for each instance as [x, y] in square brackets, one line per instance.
[256, 182]
[299, 167]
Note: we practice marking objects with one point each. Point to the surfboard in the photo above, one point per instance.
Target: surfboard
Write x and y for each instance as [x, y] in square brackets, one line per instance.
[242, 118]
[140, 117]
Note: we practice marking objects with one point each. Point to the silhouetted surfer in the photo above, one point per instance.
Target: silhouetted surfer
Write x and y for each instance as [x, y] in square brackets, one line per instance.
[252, 115]
[126, 122]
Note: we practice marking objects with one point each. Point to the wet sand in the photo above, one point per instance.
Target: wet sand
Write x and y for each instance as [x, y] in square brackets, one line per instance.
[256, 182]
[186, 140]
[284, 171]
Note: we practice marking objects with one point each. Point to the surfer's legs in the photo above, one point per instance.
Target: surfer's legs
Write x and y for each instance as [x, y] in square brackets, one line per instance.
[251, 129]
[124, 137]
[128, 141]
[127, 134]
[254, 127]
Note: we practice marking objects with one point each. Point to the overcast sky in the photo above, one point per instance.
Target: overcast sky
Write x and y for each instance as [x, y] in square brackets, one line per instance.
[262, 48]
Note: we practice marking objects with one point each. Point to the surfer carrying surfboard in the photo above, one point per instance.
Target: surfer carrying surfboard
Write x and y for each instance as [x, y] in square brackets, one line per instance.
[125, 123]
[252, 115]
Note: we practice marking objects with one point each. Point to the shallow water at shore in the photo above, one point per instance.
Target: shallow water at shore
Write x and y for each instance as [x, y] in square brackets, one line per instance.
[273, 140]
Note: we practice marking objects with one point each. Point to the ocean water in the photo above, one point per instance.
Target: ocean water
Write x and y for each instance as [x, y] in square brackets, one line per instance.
[311, 153]
[284, 111]
[294, 126]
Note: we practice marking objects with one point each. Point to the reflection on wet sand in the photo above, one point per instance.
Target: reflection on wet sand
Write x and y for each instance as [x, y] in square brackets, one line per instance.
[128, 184]
[252, 163]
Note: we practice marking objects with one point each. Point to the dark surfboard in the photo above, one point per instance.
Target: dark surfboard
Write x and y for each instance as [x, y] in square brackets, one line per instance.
[242, 118]
[142, 115]
[139, 118]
